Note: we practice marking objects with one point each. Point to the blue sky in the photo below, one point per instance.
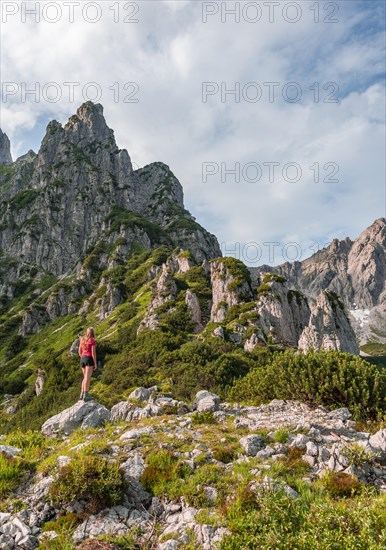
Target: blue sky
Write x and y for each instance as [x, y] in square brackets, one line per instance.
[170, 52]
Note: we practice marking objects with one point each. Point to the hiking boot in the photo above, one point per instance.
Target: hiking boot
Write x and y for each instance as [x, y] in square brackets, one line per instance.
[87, 396]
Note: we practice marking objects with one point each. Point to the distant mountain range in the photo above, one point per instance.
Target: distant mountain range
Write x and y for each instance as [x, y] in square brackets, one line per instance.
[355, 270]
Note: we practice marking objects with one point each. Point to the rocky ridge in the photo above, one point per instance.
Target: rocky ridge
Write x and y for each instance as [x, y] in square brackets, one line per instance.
[273, 313]
[321, 439]
[79, 189]
[354, 270]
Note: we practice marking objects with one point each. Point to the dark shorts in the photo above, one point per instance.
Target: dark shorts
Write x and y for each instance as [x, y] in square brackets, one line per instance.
[86, 361]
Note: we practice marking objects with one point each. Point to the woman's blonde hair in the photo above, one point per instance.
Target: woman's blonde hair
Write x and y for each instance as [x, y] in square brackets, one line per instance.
[88, 334]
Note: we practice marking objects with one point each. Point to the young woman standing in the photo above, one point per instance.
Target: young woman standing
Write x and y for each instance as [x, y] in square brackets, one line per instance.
[88, 361]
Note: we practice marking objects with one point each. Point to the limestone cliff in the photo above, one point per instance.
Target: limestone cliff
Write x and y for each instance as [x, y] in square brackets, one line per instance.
[56, 205]
[5, 149]
[354, 270]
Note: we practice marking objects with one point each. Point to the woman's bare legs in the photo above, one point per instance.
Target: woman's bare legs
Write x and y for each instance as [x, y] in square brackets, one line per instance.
[82, 388]
[87, 372]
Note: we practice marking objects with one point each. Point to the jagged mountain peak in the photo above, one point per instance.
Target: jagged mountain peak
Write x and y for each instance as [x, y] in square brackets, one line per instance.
[330, 252]
[90, 110]
[80, 188]
[355, 270]
[88, 125]
[376, 232]
[85, 129]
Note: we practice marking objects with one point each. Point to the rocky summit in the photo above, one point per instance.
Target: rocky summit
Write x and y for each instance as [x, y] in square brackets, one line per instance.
[80, 189]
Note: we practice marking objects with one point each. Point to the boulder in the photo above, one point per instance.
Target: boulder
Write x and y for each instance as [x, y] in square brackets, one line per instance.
[74, 350]
[9, 450]
[378, 442]
[136, 434]
[140, 394]
[166, 402]
[252, 444]
[133, 468]
[219, 331]
[340, 414]
[206, 401]
[120, 410]
[267, 452]
[299, 441]
[84, 414]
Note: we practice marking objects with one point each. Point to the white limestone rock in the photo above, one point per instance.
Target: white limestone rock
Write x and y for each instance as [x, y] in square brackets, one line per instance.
[84, 414]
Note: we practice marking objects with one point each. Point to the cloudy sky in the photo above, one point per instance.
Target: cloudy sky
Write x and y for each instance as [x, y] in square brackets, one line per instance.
[271, 114]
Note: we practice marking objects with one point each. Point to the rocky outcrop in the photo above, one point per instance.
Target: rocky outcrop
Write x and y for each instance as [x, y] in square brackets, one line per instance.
[206, 402]
[112, 297]
[354, 270]
[282, 315]
[39, 382]
[34, 319]
[5, 149]
[366, 266]
[329, 327]
[84, 414]
[64, 300]
[164, 290]
[194, 307]
[230, 286]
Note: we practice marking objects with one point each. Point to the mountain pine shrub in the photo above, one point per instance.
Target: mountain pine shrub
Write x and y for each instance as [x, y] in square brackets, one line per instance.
[330, 378]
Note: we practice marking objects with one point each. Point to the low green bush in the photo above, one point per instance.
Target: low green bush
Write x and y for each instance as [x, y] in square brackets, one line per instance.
[93, 478]
[205, 417]
[225, 453]
[163, 471]
[281, 435]
[330, 378]
[12, 472]
[339, 484]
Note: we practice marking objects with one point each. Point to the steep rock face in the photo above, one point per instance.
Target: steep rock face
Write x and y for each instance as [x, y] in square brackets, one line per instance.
[355, 270]
[110, 300]
[164, 290]
[329, 327]
[228, 288]
[276, 314]
[5, 149]
[33, 320]
[195, 310]
[286, 318]
[367, 266]
[282, 314]
[56, 205]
